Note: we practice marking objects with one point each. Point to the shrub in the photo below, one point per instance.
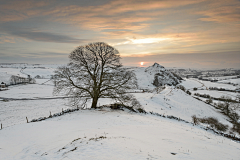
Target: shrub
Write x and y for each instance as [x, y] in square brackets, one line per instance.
[188, 92]
[194, 88]
[213, 122]
[195, 120]
[236, 128]
[234, 116]
[196, 94]
[181, 87]
[140, 110]
[209, 101]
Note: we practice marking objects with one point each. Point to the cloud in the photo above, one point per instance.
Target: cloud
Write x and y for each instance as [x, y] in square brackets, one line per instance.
[6, 39]
[46, 37]
[35, 35]
[118, 14]
[196, 60]
[221, 11]
[134, 27]
[20, 10]
[40, 58]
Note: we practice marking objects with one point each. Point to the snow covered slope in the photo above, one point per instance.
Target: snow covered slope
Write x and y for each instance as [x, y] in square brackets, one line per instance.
[109, 134]
[116, 135]
[172, 101]
[155, 75]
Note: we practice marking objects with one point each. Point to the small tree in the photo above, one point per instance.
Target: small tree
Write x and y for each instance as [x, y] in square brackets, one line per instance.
[227, 104]
[188, 92]
[209, 101]
[181, 87]
[156, 81]
[94, 72]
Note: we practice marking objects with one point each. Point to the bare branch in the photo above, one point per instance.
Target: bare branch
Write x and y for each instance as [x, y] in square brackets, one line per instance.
[94, 72]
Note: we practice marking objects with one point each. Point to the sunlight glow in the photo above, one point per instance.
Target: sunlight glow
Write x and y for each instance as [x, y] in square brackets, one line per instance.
[141, 41]
[141, 63]
[147, 40]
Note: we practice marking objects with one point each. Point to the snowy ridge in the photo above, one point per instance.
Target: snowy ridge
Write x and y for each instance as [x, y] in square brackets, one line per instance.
[113, 135]
[155, 68]
[154, 76]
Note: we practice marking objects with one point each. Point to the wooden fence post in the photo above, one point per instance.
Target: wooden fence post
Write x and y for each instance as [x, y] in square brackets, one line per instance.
[1, 125]
[27, 119]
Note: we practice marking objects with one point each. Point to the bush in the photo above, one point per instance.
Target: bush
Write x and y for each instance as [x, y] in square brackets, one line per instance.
[236, 128]
[181, 87]
[188, 92]
[209, 101]
[140, 110]
[196, 94]
[234, 116]
[213, 122]
[194, 88]
[195, 120]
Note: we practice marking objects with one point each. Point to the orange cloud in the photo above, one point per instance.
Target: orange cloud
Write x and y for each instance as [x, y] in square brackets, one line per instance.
[131, 22]
[221, 11]
[20, 10]
[118, 14]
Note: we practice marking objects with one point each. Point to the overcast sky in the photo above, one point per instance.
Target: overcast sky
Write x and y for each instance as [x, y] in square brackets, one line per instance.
[174, 33]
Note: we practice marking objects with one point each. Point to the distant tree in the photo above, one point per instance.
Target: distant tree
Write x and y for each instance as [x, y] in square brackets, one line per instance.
[209, 101]
[227, 107]
[156, 81]
[188, 92]
[181, 87]
[94, 72]
[38, 77]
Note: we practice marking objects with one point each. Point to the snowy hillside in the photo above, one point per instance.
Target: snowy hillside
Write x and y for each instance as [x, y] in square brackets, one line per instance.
[176, 102]
[111, 134]
[155, 75]
[24, 69]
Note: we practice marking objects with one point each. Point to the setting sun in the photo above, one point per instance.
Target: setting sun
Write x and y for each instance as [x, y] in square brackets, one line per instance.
[141, 63]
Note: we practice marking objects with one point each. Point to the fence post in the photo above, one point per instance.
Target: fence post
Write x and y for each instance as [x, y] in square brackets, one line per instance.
[1, 125]
[27, 119]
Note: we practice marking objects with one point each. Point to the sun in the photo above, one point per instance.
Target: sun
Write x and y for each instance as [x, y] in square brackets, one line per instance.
[141, 63]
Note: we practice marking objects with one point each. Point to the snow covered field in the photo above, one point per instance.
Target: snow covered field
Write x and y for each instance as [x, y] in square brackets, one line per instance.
[192, 83]
[234, 81]
[106, 133]
[109, 135]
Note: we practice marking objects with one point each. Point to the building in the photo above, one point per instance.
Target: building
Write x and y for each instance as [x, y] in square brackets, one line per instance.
[3, 86]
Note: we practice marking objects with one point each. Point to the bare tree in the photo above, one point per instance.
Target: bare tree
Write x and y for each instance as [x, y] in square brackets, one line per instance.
[94, 72]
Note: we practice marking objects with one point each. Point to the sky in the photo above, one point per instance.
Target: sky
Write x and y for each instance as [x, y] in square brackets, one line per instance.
[173, 33]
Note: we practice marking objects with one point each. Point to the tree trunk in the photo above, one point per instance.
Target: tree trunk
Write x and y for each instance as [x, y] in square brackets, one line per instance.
[94, 102]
